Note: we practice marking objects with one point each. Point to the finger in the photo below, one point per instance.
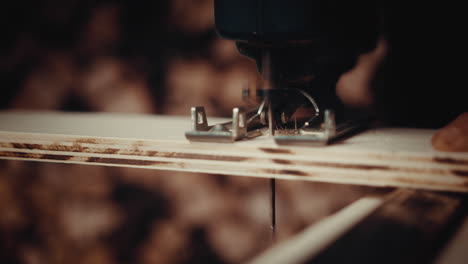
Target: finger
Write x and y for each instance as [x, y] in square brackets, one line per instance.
[454, 136]
[353, 87]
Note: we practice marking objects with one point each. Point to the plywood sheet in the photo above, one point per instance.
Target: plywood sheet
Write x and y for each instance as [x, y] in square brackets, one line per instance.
[378, 157]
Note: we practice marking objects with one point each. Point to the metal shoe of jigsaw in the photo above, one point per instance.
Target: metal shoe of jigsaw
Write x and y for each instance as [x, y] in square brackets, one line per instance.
[239, 128]
[272, 117]
[301, 48]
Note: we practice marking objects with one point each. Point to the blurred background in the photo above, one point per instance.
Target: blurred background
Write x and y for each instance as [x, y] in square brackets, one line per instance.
[120, 56]
[149, 57]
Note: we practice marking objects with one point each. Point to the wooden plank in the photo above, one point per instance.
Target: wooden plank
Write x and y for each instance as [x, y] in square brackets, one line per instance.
[319, 236]
[455, 250]
[410, 227]
[407, 227]
[379, 157]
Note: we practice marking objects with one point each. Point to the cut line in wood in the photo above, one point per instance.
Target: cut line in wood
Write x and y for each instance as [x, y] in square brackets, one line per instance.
[405, 226]
[310, 242]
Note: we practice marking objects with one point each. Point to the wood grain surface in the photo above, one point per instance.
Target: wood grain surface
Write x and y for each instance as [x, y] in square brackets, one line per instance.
[378, 157]
[406, 226]
[410, 227]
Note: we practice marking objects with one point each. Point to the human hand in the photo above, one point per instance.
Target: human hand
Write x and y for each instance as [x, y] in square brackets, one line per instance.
[354, 89]
[454, 136]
